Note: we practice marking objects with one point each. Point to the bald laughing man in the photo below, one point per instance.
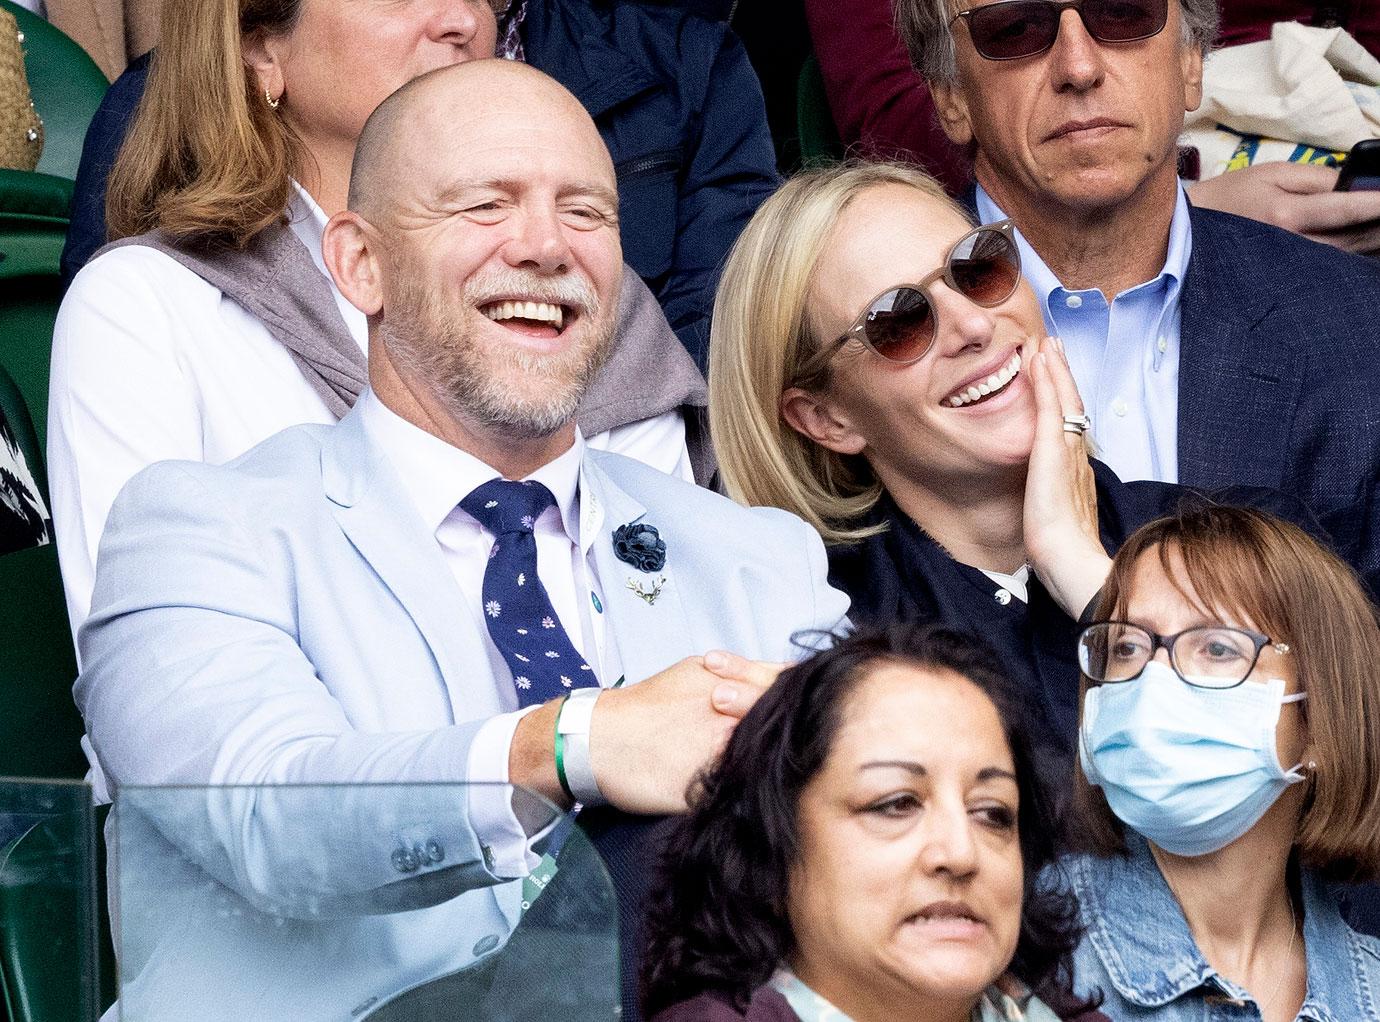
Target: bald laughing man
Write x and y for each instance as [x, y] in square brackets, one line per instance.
[421, 591]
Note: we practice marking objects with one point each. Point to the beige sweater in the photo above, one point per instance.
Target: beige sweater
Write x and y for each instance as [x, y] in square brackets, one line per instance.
[114, 32]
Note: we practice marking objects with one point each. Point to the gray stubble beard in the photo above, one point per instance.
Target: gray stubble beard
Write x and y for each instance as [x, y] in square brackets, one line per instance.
[439, 350]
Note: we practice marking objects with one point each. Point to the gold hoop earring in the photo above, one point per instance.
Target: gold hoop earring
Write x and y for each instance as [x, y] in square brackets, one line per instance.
[271, 101]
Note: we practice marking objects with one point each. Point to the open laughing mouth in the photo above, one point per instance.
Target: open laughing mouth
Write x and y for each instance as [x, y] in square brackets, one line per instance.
[980, 390]
[535, 319]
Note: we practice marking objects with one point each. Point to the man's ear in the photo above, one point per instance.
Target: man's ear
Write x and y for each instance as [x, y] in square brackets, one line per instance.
[351, 248]
[952, 109]
[263, 55]
[816, 417]
[1191, 65]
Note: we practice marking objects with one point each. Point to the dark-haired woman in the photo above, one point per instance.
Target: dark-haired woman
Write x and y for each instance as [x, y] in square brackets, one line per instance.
[847, 859]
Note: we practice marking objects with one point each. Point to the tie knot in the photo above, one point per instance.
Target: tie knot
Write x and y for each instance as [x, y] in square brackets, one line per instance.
[502, 506]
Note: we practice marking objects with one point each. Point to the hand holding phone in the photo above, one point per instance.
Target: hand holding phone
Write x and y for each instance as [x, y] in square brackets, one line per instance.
[1361, 171]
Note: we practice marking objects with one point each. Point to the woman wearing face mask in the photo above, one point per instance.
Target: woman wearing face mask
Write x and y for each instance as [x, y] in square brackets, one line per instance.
[878, 370]
[1230, 768]
[848, 860]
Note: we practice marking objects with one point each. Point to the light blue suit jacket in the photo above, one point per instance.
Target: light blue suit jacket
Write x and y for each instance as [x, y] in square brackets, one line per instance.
[288, 619]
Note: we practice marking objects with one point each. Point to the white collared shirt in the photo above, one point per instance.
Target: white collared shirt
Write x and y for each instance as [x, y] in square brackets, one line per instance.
[1016, 583]
[1124, 353]
[436, 477]
[151, 363]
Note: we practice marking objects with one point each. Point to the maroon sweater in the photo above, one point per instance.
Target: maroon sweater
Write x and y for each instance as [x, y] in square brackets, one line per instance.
[769, 1006]
[766, 1006]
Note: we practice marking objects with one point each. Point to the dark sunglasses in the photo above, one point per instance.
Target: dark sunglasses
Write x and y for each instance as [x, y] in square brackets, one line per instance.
[1011, 29]
[900, 324]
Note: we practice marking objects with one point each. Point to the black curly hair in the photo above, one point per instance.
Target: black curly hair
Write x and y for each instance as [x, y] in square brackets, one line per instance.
[716, 917]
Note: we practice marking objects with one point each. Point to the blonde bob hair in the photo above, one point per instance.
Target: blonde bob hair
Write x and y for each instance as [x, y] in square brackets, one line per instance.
[763, 334]
[207, 157]
[1280, 579]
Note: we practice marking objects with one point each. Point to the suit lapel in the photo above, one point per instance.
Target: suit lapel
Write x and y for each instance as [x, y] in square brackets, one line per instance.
[1238, 386]
[649, 636]
[375, 514]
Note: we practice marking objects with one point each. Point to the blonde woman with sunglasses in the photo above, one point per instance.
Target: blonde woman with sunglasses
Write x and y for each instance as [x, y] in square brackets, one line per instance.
[879, 368]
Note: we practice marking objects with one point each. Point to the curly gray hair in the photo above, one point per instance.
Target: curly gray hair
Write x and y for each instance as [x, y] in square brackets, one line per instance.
[926, 28]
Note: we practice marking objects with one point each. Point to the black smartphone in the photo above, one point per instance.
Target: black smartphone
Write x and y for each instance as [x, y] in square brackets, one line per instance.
[1361, 171]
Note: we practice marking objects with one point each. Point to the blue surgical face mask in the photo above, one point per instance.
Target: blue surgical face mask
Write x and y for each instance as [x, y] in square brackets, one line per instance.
[1191, 769]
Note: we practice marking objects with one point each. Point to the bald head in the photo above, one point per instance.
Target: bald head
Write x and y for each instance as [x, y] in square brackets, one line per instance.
[446, 109]
[481, 240]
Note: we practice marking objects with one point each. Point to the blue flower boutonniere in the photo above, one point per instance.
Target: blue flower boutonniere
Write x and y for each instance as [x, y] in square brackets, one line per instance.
[641, 546]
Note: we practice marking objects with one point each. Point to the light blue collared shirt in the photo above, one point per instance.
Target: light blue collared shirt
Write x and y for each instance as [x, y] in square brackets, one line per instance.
[1124, 355]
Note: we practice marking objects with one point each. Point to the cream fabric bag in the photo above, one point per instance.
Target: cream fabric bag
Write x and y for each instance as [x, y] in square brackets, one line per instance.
[1305, 94]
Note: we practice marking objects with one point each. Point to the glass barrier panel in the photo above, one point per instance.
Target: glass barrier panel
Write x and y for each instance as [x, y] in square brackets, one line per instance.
[48, 963]
[385, 902]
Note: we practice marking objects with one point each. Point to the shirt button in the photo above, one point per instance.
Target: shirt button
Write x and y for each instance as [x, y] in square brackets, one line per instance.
[1162, 344]
[1073, 301]
[1120, 407]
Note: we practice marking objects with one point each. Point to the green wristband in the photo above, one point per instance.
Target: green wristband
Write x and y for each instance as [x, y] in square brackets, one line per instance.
[560, 753]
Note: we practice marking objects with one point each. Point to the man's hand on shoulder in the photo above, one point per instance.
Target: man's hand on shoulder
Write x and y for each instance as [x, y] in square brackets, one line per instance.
[649, 740]
[1299, 198]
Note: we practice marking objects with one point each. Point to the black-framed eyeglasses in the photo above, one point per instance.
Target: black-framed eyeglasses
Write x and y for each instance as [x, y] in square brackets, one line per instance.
[1208, 656]
[900, 324]
[1011, 29]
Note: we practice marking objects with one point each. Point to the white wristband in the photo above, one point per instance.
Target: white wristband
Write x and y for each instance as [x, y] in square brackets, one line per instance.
[573, 726]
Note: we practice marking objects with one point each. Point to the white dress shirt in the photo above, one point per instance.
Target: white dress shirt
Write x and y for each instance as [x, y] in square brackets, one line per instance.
[1124, 353]
[1016, 583]
[151, 363]
[437, 476]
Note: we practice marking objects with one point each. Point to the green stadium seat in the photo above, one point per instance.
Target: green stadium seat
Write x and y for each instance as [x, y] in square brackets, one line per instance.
[42, 911]
[40, 729]
[66, 86]
[33, 225]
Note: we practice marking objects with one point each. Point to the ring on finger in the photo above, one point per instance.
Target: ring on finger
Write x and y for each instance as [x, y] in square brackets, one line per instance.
[1077, 424]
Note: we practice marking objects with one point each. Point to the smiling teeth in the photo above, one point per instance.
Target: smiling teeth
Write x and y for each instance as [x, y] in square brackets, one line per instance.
[991, 385]
[540, 312]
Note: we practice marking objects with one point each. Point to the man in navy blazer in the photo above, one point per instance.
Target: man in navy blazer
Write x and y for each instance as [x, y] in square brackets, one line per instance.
[361, 603]
[1209, 349]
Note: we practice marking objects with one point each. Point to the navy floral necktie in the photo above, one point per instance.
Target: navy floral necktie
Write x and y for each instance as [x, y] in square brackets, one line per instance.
[521, 620]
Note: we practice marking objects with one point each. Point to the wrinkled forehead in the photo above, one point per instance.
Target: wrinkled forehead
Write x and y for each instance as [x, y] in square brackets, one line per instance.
[521, 140]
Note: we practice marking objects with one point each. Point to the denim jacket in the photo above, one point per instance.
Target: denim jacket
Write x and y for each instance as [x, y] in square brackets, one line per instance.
[1139, 951]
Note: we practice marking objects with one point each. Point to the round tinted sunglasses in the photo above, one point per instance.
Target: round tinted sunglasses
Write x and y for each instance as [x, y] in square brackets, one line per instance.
[1011, 29]
[900, 324]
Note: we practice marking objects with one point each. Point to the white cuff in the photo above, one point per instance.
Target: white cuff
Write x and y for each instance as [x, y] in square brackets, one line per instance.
[490, 802]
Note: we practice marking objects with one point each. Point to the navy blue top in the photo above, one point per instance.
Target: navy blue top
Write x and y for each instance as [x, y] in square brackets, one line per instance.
[903, 574]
